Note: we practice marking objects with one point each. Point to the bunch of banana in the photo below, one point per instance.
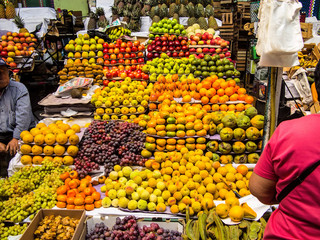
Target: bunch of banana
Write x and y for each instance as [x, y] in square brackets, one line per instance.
[116, 32]
[209, 226]
[306, 61]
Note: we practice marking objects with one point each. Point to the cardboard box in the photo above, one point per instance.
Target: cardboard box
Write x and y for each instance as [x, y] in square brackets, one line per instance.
[173, 224]
[78, 214]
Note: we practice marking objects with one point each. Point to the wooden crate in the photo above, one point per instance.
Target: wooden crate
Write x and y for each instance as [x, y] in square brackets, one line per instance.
[306, 30]
[227, 18]
[227, 32]
[223, 2]
[244, 9]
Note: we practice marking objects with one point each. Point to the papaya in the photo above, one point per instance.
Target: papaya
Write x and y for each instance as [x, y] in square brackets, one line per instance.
[225, 148]
[251, 112]
[240, 159]
[212, 129]
[226, 134]
[212, 146]
[207, 119]
[251, 146]
[217, 117]
[253, 158]
[252, 133]
[229, 120]
[248, 211]
[215, 157]
[257, 121]
[238, 147]
[239, 134]
[219, 127]
[243, 121]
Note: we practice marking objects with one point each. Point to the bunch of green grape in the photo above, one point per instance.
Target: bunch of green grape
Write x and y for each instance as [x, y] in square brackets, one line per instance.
[19, 207]
[27, 179]
[11, 231]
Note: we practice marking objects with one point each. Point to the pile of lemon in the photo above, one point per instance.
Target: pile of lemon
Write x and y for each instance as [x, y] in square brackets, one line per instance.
[121, 100]
[55, 142]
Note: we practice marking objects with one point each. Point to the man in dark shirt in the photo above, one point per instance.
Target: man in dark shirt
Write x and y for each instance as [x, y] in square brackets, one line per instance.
[15, 115]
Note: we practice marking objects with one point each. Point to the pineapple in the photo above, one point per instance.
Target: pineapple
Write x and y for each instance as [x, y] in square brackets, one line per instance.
[199, 10]
[163, 11]
[102, 21]
[20, 24]
[92, 21]
[203, 23]
[212, 23]
[190, 9]
[209, 11]
[2, 11]
[176, 16]
[173, 8]
[10, 10]
[115, 13]
[183, 11]
[192, 21]
[156, 19]
[120, 8]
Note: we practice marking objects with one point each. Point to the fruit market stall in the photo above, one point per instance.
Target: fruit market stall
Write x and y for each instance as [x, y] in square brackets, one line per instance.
[173, 135]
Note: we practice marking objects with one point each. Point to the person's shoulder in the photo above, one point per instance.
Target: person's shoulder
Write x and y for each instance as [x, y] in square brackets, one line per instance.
[301, 120]
[18, 86]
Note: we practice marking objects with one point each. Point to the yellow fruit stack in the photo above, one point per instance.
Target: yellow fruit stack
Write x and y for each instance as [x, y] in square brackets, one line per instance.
[121, 100]
[55, 142]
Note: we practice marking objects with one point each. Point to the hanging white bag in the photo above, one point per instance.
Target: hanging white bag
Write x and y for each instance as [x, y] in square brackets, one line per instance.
[279, 33]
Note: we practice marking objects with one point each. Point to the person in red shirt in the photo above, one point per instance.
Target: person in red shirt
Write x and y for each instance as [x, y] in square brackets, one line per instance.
[293, 148]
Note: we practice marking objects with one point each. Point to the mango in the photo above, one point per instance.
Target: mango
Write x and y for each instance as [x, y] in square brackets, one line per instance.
[243, 121]
[229, 120]
[252, 133]
[212, 146]
[257, 121]
[239, 134]
[225, 148]
[253, 158]
[220, 127]
[251, 146]
[238, 147]
[226, 134]
[251, 112]
[240, 159]
[217, 117]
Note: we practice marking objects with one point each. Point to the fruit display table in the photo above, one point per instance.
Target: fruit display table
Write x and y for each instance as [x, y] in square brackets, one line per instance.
[32, 17]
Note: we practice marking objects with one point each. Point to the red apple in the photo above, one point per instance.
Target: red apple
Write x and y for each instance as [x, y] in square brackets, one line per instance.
[205, 50]
[201, 55]
[218, 50]
[192, 49]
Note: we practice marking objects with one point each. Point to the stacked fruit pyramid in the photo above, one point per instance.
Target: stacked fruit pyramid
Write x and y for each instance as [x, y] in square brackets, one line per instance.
[205, 42]
[200, 68]
[121, 99]
[173, 45]
[56, 142]
[85, 59]
[14, 46]
[77, 193]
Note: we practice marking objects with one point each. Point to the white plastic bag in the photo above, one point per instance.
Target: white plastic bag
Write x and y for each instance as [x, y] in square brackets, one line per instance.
[302, 85]
[279, 33]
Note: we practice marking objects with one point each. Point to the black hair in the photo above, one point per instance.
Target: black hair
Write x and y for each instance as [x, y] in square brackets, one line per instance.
[317, 78]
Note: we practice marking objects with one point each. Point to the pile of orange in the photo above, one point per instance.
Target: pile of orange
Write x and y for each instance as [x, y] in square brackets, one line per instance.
[212, 90]
[175, 126]
[76, 193]
[56, 142]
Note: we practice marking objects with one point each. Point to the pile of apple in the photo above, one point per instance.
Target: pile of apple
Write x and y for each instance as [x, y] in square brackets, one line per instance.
[172, 45]
[201, 44]
[122, 52]
[16, 44]
[134, 72]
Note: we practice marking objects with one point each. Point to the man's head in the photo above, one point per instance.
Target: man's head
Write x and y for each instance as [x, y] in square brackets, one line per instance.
[4, 74]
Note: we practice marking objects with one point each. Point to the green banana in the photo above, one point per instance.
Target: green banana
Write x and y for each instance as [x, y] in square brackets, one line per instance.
[190, 229]
[220, 228]
[227, 231]
[202, 223]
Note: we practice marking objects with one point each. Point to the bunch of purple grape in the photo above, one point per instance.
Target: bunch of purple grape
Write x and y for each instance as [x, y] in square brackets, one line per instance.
[110, 143]
[127, 229]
